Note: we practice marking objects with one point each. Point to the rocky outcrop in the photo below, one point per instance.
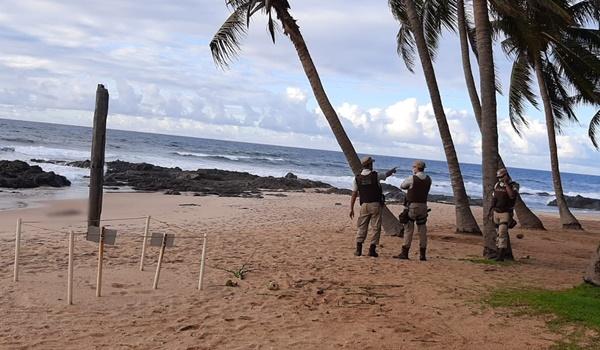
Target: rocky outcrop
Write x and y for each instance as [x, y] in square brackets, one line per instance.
[148, 177]
[18, 174]
[580, 202]
[78, 163]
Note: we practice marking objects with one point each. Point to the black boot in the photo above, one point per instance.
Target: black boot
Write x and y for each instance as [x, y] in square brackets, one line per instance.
[422, 255]
[403, 255]
[372, 251]
[501, 254]
[358, 251]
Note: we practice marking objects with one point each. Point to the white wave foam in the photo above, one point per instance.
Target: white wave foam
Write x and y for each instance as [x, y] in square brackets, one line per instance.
[52, 153]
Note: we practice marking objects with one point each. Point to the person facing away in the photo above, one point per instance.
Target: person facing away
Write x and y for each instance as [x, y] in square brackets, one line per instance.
[368, 189]
[504, 198]
[417, 186]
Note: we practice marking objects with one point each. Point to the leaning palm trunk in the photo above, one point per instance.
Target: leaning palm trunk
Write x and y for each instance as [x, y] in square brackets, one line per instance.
[389, 221]
[489, 126]
[567, 219]
[465, 221]
[527, 219]
[592, 274]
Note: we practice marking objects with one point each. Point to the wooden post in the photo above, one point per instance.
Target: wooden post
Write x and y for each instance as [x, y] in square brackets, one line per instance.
[202, 259]
[160, 257]
[17, 249]
[100, 257]
[97, 157]
[146, 230]
[70, 271]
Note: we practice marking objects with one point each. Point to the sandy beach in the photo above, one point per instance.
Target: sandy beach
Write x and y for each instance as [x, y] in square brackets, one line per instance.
[327, 298]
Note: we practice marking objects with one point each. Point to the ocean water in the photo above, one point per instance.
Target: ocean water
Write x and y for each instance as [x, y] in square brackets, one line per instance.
[26, 140]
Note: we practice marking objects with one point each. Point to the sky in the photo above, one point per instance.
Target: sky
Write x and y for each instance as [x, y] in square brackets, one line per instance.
[154, 59]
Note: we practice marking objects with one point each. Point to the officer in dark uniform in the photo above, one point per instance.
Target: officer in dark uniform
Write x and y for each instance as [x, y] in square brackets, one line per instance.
[367, 187]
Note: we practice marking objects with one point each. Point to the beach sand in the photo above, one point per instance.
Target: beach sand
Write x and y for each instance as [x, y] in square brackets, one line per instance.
[304, 242]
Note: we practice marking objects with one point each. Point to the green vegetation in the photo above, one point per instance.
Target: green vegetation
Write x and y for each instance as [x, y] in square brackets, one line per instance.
[577, 311]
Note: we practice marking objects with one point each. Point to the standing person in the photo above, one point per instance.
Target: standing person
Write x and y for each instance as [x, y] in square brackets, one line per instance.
[503, 203]
[417, 186]
[367, 187]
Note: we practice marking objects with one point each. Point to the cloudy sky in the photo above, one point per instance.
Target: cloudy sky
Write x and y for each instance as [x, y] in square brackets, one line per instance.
[153, 56]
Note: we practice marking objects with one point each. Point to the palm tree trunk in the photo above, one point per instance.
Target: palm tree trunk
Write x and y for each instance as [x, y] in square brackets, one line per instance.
[592, 274]
[527, 219]
[390, 222]
[465, 221]
[489, 125]
[567, 219]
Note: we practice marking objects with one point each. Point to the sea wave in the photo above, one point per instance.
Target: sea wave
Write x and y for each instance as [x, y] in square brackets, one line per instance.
[53, 153]
[229, 157]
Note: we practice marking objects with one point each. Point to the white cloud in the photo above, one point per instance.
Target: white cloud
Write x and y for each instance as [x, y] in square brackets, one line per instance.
[154, 59]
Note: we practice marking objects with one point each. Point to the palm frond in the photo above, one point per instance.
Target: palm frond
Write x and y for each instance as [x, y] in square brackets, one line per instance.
[406, 47]
[436, 15]
[586, 12]
[519, 91]
[580, 67]
[472, 35]
[225, 44]
[562, 102]
[405, 40]
[594, 130]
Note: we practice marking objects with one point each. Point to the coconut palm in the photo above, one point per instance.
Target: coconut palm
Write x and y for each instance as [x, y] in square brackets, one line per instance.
[527, 219]
[489, 125]
[225, 45]
[421, 23]
[592, 273]
[547, 39]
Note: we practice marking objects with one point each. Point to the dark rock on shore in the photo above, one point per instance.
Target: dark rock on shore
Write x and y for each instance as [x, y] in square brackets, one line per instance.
[148, 177]
[77, 164]
[580, 202]
[18, 174]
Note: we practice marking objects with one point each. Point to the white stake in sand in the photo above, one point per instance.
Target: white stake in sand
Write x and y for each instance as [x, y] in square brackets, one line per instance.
[202, 259]
[70, 271]
[160, 257]
[146, 230]
[17, 249]
[100, 256]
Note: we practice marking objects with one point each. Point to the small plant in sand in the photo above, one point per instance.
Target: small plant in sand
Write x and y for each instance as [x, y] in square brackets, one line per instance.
[239, 273]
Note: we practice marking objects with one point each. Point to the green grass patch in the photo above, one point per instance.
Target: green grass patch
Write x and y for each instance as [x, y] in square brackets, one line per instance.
[577, 308]
[580, 304]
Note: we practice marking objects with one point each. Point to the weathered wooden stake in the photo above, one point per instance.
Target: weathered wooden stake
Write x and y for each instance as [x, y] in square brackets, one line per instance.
[97, 157]
[70, 271]
[144, 240]
[160, 257]
[202, 259]
[100, 258]
[17, 249]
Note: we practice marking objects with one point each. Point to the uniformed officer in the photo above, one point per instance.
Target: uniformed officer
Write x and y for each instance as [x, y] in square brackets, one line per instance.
[417, 186]
[503, 203]
[367, 187]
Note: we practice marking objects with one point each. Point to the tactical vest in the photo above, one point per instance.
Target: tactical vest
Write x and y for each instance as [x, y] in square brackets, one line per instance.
[419, 190]
[502, 202]
[369, 189]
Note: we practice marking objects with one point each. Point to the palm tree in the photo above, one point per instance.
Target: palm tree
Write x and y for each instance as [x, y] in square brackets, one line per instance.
[413, 32]
[592, 274]
[489, 125]
[527, 219]
[547, 39]
[226, 44]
